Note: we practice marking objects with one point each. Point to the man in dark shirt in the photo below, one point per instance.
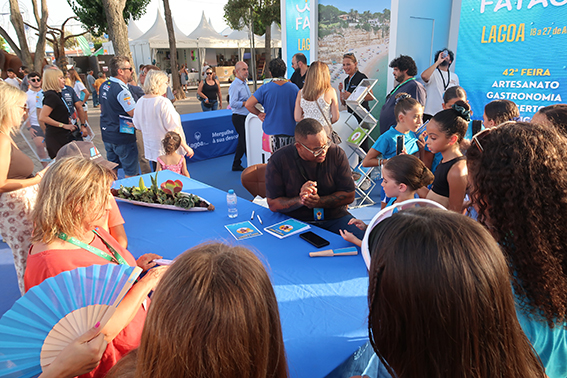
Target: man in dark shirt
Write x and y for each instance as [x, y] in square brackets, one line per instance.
[404, 70]
[299, 64]
[312, 180]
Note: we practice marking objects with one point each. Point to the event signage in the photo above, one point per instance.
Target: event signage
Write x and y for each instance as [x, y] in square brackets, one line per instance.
[297, 30]
[513, 50]
[210, 134]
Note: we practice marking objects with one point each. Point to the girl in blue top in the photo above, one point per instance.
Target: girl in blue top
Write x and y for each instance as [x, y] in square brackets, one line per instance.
[408, 112]
[402, 176]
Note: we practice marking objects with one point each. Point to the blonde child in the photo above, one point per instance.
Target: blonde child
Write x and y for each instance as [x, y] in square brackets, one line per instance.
[402, 176]
[172, 161]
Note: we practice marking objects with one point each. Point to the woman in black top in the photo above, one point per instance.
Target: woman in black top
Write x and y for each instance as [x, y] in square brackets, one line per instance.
[209, 90]
[55, 114]
[350, 66]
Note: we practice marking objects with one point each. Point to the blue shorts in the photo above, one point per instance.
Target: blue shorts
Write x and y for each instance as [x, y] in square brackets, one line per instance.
[125, 155]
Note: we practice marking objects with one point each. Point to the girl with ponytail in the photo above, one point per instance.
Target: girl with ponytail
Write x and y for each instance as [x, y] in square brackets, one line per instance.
[402, 176]
[445, 132]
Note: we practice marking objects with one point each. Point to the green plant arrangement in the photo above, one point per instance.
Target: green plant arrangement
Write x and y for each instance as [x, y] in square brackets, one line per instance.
[168, 193]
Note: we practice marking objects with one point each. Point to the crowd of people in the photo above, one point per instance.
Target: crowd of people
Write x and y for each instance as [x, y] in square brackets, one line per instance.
[477, 290]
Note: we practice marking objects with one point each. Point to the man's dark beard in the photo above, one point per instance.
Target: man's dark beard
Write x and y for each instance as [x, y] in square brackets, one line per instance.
[445, 64]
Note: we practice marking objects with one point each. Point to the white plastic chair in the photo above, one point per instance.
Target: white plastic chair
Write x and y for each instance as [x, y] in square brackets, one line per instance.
[386, 213]
[254, 152]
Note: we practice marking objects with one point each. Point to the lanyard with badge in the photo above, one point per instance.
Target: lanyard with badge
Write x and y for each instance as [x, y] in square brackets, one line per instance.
[114, 257]
[445, 86]
[318, 212]
[398, 86]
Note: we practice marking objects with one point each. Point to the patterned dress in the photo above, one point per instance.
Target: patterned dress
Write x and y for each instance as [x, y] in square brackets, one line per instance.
[16, 226]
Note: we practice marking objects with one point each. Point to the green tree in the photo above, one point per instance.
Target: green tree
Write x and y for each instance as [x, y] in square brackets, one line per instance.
[108, 16]
[329, 14]
[262, 13]
[91, 13]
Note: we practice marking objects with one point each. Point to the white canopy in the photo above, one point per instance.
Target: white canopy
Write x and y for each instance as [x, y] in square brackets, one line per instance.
[226, 31]
[157, 36]
[134, 31]
[243, 38]
[276, 36]
[208, 37]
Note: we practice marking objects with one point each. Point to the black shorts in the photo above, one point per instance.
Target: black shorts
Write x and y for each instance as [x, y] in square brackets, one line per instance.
[38, 131]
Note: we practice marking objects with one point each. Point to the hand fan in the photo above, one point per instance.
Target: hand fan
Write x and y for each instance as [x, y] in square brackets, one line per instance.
[54, 313]
[386, 213]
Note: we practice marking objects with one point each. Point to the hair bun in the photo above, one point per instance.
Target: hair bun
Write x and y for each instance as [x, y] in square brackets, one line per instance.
[463, 113]
[401, 96]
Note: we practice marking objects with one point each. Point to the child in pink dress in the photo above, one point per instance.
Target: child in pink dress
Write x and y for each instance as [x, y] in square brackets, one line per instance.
[172, 161]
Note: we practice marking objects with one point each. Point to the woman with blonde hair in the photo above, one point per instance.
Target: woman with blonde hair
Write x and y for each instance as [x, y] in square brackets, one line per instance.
[155, 115]
[55, 113]
[317, 99]
[214, 314]
[18, 184]
[72, 198]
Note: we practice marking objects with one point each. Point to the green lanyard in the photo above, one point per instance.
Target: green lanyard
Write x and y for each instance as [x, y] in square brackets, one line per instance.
[114, 258]
[399, 85]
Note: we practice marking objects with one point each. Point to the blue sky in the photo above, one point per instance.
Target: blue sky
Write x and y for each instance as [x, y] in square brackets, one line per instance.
[361, 6]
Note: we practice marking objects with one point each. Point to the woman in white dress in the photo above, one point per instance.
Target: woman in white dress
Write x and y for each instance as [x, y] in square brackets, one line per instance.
[318, 99]
[155, 116]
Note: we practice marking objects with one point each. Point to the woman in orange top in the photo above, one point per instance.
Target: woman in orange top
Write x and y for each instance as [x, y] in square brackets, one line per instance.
[72, 198]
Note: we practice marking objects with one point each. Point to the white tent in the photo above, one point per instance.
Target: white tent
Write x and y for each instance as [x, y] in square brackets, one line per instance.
[243, 38]
[153, 46]
[208, 37]
[157, 36]
[226, 31]
[276, 36]
[134, 31]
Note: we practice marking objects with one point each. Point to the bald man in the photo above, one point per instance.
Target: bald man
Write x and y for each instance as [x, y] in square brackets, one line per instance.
[238, 94]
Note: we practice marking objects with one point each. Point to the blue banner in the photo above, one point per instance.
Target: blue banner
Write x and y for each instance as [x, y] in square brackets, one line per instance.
[513, 50]
[298, 30]
[210, 134]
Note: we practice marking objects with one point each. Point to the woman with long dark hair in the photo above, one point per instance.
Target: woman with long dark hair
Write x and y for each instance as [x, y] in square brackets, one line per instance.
[518, 184]
[440, 300]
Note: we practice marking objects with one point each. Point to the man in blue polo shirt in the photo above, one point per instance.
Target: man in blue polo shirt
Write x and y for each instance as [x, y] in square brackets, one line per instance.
[116, 102]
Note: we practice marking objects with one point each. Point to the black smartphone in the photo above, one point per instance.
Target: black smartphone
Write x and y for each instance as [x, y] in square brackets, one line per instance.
[399, 144]
[314, 239]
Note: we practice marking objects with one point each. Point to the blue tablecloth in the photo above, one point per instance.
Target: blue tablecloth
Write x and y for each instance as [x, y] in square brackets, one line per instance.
[322, 301]
[210, 134]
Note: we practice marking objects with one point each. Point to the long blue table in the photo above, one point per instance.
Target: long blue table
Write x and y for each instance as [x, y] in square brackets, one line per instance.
[210, 134]
[322, 301]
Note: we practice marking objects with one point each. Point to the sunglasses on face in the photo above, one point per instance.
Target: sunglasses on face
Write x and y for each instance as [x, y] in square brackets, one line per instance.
[127, 68]
[35, 80]
[209, 73]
